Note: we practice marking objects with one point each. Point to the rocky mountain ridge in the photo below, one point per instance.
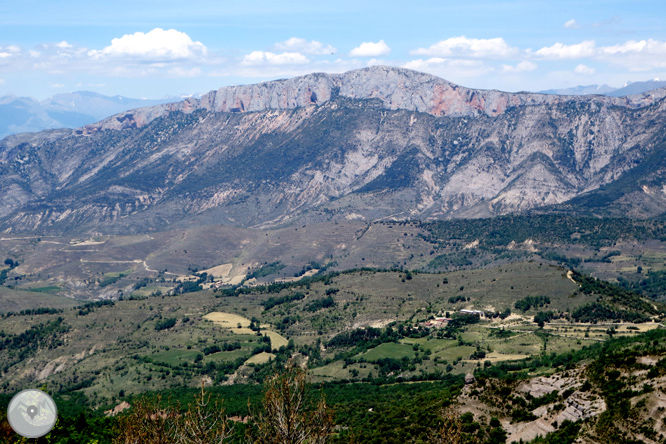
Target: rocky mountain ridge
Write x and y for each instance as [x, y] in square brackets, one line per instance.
[369, 144]
[396, 88]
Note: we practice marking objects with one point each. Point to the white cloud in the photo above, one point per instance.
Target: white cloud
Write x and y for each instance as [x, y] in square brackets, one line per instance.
[57, 85]
[465, 47]
[571, 24]
[640, 55]
[156, 44]
[633, 47]
[491, 63]
[439, 61]
[561, 51]
[584, 70]
[455, 70]
[2, 81]
[158, 53]
[269, 58]
[313, 47]
[524, 66]
[370, 49]
[13, 48]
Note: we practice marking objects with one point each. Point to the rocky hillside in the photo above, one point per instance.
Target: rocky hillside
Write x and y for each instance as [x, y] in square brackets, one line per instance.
[368, 144]
[616, 396]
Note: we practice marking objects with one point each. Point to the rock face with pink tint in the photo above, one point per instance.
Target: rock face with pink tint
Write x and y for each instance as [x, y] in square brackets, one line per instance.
[396, 88]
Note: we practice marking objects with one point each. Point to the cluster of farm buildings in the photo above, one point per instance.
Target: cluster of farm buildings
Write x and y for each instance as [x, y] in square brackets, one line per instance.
[441, 322]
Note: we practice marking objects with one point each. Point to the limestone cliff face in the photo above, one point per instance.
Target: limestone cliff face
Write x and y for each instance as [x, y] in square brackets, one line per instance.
[396, 88]
[369, 144]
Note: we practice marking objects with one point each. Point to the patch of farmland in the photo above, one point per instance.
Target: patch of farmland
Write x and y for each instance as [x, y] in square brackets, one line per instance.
[260, 358]
[277, 340]
[221, 271]
[388, 350]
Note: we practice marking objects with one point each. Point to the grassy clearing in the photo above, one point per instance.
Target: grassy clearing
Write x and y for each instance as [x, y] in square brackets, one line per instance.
[49, 289]
[228, 320]
[23, 299]
[473, 336]
[148, 291]
[431, 344]
[330, 371]
[456, 352]
[388, 350]
[118, 274]
[175, 357]
[652, 257]
[620, 258]
[412, 341]
[260, 358]
[523, 344]
[499, 357]
[438, 344]
[228, 356]
[277, 340]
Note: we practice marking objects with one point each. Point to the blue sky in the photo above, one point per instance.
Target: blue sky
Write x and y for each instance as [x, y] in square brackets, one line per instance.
[163, 48]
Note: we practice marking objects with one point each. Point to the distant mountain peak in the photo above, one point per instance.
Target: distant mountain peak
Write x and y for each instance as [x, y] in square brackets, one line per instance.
[581, 90]
[64, 110]
[638, 88]
[629, 88]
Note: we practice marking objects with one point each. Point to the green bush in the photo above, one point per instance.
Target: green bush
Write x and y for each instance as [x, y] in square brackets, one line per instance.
[165, 324]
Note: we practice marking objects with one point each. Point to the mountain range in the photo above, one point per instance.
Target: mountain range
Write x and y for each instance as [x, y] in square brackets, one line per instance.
[606, 90]
[375, 143]
[76, 109]
[70, 110]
